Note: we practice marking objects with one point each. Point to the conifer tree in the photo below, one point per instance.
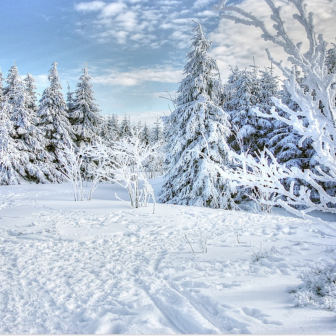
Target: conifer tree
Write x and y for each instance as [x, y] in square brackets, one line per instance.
[157, 133]
[13, 80]
[85, 117]
[197, 127]
[1, 87]
[70, 101]
[53, 116]
[31, 97]
[244, 93]
[36, 164]
[11, 160]
[331, 59]
[114, 127]
[145, 134]
[125, 127]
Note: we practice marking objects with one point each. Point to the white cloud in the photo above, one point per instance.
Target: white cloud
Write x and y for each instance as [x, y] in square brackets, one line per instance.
[236, 44]
[136, 77]
[90, 6]
[127, 21]
[42, 81]
[202, 3]
[113, 9]
[148, 18]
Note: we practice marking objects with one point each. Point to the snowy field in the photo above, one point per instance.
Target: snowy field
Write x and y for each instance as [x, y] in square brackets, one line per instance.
[103, 267]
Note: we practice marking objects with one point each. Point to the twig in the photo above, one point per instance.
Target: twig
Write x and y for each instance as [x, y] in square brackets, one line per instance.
[189, 243]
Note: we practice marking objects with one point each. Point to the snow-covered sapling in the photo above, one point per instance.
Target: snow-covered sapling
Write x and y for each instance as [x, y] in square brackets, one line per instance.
[130, 153]
[262, 252]
[71, 160]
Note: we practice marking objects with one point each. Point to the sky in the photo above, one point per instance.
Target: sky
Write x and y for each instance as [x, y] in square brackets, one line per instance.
[135, 49]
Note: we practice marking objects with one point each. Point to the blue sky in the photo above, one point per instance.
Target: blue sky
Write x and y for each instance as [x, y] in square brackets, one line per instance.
[135, 49]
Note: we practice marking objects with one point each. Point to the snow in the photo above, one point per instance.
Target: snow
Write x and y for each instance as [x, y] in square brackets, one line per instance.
[104, 267]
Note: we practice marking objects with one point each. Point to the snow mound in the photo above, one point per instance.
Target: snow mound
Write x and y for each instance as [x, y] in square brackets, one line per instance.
[318, 288]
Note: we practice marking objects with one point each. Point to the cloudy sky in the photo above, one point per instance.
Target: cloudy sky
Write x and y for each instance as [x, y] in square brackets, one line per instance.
[135, 49]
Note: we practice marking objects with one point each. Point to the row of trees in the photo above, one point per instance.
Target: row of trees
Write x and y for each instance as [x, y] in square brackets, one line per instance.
[32, 134]
[35, 133]
[113, 130]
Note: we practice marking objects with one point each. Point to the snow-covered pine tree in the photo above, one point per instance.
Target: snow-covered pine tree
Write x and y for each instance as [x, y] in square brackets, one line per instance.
[31, 96]
[125, 127]
[244, 92]
[156, 133]
[53, 116]
[23, 155]
[70, 101]
[1, 87]
[331, 59]
[85, 117]
[145, 134]
[11, 160]
[29, 139]
[114, 127]
[198, 127]
[13, 80]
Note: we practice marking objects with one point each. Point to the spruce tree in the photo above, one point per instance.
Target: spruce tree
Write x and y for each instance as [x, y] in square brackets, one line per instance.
[1, 87]
[70, 101]
[53, 116]
[157, 133]
[331, 59]
[114, 127]
[31, 97]
[12, 161]
[85, 117]
[243, 94]
[125, 127]
[35, 163]
[145, 134]
[13, 80]
[198, 127]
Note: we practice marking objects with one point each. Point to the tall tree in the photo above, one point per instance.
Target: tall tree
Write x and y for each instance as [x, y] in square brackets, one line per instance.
[198, 127]
[53, 116]
[145, 134]
[31, 97]
[70, 101]
[157, 133]
[35, 163]
[1, 87]
[85, 117]
[13, 80]
[125, 127]
[331, 59]
[244, 91]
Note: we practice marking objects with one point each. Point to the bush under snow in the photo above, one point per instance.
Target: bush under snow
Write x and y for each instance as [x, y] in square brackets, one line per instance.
[318, 288]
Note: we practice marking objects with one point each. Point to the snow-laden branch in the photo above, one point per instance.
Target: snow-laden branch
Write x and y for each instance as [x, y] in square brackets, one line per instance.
[315, 119]
[129, 154]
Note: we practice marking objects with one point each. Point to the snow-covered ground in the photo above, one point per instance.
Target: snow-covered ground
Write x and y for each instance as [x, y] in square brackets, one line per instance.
[103, 267]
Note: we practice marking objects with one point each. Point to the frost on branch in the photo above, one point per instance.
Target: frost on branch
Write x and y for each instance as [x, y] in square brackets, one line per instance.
[100, 168]
[315, 118]
[130, 153]
[318, 286]
[198, 127]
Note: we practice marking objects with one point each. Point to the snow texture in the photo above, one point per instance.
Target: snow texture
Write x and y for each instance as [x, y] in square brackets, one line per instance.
[104, 267]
